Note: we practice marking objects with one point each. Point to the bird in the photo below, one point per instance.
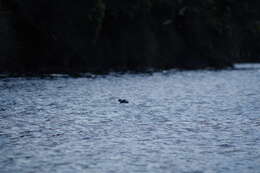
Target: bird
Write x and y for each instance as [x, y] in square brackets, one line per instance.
[123, 101]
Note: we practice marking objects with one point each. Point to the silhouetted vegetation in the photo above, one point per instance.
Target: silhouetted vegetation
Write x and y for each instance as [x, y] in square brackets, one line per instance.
[103, 35]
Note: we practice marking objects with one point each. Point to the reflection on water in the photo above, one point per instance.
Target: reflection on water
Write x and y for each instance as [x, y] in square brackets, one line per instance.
[192, 122]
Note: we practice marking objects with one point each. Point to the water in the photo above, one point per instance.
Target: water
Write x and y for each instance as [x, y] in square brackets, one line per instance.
[188, 122]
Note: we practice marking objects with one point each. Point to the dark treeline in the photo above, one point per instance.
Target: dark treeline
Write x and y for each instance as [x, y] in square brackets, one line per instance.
[102, 35]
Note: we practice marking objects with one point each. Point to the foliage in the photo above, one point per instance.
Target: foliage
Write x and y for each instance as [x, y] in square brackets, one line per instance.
[139, 34]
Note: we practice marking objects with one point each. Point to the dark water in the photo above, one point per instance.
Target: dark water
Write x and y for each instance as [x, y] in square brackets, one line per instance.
[190, 122]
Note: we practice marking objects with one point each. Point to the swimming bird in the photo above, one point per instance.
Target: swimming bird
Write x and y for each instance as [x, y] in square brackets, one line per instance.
[121, 101]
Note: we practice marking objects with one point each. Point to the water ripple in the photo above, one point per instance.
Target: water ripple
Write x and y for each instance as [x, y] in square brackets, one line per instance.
[190, 122]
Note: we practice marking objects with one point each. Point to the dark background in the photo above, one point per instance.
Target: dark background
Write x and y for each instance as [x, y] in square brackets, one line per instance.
[47, 36]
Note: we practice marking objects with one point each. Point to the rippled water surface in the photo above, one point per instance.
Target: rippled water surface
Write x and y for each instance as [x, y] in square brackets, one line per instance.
[188, 122]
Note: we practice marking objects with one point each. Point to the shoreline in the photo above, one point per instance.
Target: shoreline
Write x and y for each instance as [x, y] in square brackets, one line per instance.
[75, 74]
